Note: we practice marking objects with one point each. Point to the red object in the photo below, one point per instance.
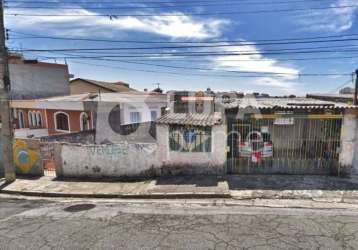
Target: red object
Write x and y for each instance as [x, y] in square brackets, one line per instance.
[256, 157]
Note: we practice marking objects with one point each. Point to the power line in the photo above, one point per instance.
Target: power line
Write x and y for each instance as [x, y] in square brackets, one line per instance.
[172, 5]
[210, 69]
[173, 73]
[210, 46]
[342, 85]
[238, 53]
[96, 50]
[184, 58]
[115, 15]
[282, 41]
[153, 2]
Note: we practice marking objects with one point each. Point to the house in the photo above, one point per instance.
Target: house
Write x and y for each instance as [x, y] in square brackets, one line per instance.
[51, 116]
[128, 116]
[257, 136]
[82, 86]
[31, 79]
[115, 117]
[191, 137]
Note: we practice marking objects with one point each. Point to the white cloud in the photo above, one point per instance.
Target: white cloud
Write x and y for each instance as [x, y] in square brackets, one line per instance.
[283, 85]
[332, 20]
[252, 60]
[256, 62]
[184, 27]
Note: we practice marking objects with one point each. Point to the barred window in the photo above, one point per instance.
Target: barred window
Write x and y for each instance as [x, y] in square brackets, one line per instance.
[190, 139]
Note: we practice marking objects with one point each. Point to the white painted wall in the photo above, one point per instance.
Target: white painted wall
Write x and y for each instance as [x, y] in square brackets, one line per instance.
[143, 108]
[117, 160]
[29, 81]
[193, 162]
[26, 132]
[348, 142]
[104, 132]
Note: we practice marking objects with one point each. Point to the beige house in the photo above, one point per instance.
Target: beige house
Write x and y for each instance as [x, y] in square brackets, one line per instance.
[82, 86]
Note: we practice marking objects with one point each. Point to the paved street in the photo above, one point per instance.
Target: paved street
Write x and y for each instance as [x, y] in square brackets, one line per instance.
[39, 224]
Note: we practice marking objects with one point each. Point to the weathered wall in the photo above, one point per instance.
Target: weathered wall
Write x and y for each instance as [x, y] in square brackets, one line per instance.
[84, 137]
[27, 157]
[113, 161]
[192, 163]
[29, 81]
[105, 133]
[347, 158]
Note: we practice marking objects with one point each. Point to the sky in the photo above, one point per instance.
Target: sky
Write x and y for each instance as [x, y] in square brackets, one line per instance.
[245, 60]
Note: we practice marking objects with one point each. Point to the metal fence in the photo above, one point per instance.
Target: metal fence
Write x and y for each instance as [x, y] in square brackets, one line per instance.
[293, 145]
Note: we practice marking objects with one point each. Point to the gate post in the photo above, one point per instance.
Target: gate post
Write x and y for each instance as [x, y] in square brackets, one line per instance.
[348, 143]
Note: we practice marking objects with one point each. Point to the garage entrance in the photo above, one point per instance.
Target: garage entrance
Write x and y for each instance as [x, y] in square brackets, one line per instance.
[285, 144]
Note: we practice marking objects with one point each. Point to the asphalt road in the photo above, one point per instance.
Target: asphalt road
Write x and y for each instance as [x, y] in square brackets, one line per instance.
[40, 224]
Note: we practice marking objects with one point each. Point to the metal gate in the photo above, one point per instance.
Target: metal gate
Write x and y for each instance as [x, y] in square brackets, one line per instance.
[290, 145]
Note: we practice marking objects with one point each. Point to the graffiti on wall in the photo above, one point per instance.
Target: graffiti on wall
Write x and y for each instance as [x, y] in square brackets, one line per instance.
[108, 150]
[26, 159]
[117, 151]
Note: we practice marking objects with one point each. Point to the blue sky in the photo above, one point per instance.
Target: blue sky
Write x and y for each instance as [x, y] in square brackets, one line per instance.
[174, 24]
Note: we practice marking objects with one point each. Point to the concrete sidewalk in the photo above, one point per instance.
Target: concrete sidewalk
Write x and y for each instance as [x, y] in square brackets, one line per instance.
[208, 187]
[244, 187]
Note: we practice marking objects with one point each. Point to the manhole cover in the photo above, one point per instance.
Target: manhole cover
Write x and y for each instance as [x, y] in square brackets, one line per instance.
[79, 208]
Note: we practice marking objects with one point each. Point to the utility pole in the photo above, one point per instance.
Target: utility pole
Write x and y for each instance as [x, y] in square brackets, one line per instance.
[5, 112]
[355, 97]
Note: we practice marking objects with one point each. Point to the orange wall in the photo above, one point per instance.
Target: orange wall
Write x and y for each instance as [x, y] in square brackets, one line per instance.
[50, 124]
[26, 118]
[74, 120]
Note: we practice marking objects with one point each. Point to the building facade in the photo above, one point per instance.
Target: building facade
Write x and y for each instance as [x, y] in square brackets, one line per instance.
[82, 86]
[31, 79]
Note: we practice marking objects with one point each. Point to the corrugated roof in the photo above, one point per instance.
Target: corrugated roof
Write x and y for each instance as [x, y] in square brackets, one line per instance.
[113, 86]
[285, 103]
[191, 119]
[343, 96]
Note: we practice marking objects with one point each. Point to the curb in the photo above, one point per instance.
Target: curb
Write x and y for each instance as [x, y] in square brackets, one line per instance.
[122, 196]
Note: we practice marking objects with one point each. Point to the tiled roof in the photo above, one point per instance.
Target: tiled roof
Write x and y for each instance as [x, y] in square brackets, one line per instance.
[113, 86]
[285, 103]
[191, 119]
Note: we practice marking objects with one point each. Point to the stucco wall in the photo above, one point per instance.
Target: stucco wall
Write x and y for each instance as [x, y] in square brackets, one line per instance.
[29, 81]
[105, 133]
[116, 160]
[192, 163]
[85, 137]
[74, 120]
[348, 159]
[348, 143]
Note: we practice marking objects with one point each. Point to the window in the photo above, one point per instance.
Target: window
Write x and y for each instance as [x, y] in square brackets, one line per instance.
[134, 117]
[153, 115]
[190, 139]
[84, 121]
[21, 119]
[39, 119]
[62, 121]
[33, 119]
[29, 118]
